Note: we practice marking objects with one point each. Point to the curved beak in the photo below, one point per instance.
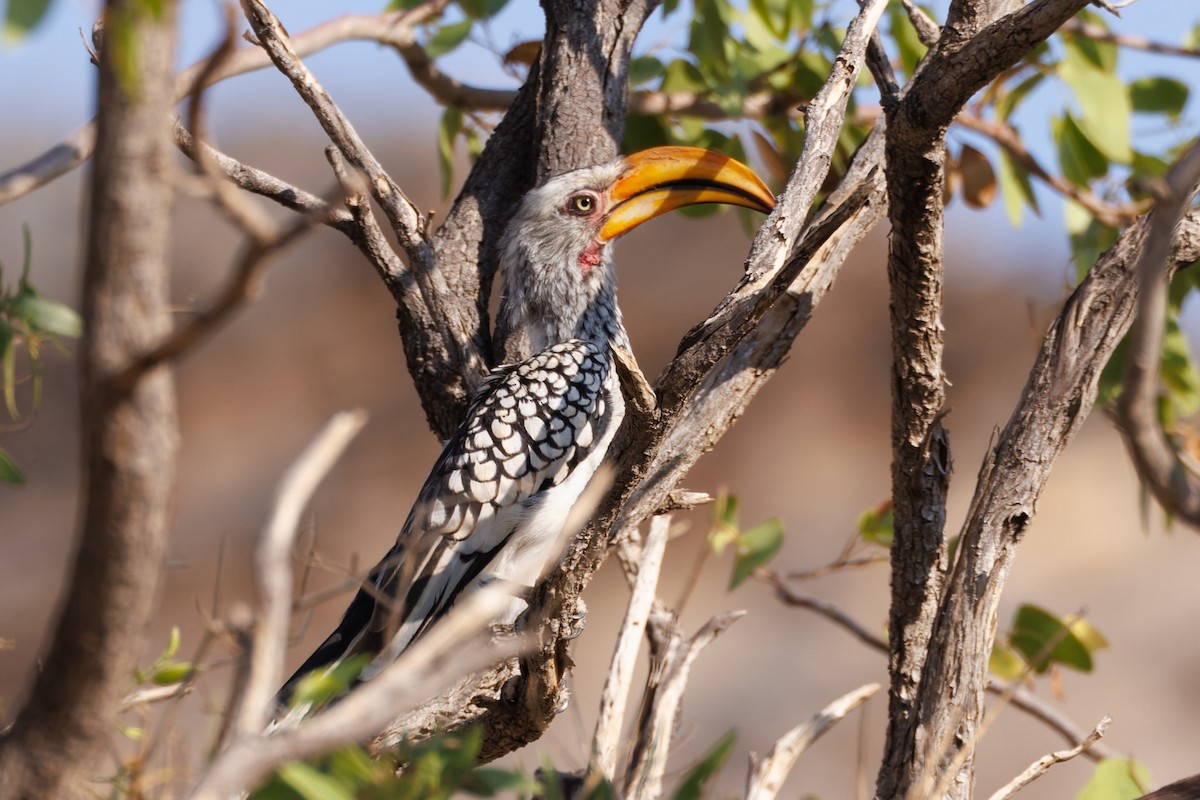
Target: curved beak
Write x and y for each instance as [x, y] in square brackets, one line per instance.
[663, 179]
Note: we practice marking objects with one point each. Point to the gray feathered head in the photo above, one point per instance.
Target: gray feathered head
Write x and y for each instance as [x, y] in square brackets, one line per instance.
[556, 254]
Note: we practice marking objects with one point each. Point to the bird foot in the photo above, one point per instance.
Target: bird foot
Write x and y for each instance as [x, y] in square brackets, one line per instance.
[576, 622]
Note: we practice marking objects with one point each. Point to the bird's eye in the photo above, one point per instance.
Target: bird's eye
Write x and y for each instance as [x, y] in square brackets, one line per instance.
[581, 205]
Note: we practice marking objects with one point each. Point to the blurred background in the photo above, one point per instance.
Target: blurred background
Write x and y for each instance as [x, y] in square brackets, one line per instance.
[812, 450]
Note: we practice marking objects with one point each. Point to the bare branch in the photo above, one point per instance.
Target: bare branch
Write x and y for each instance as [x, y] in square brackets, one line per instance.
[1099, 33]
[262, 183]
[274, 566]
[129, 435]
[78, 147]
[607, 739]
[1175, 486]
[767, 776]
[1040, 767]
[664, 697]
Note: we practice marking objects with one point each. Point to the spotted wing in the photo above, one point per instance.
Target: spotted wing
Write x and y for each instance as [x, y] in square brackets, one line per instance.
[530, 425]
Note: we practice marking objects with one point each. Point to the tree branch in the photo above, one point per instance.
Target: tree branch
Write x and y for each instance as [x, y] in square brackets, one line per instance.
[766, 776]
[1040, 767]
[130, 436]
[607, 740]
[274, 567]
[1175, 486]
[971, 51]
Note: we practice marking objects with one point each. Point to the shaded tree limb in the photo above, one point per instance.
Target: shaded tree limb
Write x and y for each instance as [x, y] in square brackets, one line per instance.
[974, 47]
[60, 738]
[1173, 485]
[1057, 398]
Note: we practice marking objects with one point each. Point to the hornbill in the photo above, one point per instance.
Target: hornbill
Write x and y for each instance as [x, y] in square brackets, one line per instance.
[537, 430]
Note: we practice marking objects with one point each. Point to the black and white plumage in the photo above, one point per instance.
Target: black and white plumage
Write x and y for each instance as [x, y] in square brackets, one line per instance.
[496, 501]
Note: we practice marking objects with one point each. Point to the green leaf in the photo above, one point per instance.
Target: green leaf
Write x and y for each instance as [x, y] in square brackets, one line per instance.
[172, 643]
[171, 672]
[692, 787]
[643, 131]
[755, 548]
[322, 685]
[1104, 100]
[1178, 373]
[403, 5]
[449, 128]
[1159, 96]
[448, 37]
[643, 69]
[725, 529]
[875, 525]
[47, 316]
[9, 471]
[1044, 639]
[8, 365]
[489, 781]
[682, 76]
[1016, 187]
[482, 9]
[1005, 662]
[774, 15]
[22, 16]
[908, 44]
[1081, 160]
[707, 40]
[1011, 99]
[1116, 779]
[311, 784]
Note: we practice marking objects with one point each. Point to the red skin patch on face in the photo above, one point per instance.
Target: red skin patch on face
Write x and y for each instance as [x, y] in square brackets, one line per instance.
[589, 259]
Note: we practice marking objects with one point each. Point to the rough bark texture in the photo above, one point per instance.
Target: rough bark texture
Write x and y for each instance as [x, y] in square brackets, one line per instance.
[973, 49]
[59, 742]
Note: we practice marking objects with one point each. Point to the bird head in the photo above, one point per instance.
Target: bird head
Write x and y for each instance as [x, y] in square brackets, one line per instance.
[556, 254]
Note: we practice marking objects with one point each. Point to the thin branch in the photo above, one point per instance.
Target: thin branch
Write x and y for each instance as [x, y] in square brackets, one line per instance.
[826, 609]
[264, 184]
[664, 698]
[1040, 767]
[274, 566]
[1099, 33]
[1175, 486]
[1017, 695]
[1114, 216]
[407, 221]
[79, 146]
[607, 740]
[766, 777]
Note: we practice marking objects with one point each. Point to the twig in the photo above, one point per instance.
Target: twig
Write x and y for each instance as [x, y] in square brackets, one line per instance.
[664, 697]
[154, 694]
[1159, 466]
[927, 29]
[405, 217]
[264, 184]
[1099, 33]
[274, 567]
[79, 146]
[838, 566]
[823, 607]
[766, 776]
[1018, 695]
[1042, 765]
[607, 739]
[1115, 216]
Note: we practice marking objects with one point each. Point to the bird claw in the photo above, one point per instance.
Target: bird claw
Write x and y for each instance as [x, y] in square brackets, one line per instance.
[576, 622]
